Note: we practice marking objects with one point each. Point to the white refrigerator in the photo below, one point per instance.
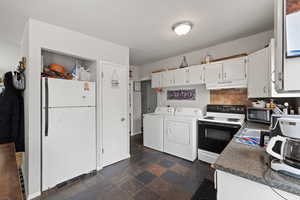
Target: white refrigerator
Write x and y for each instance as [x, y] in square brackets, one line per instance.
[68, 130]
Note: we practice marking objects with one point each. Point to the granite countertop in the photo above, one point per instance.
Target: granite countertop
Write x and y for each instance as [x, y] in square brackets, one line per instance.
[252, 163]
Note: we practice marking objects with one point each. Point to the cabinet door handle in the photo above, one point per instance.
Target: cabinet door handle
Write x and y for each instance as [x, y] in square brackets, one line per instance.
[273, 76]
[265, 89]
[225, 75]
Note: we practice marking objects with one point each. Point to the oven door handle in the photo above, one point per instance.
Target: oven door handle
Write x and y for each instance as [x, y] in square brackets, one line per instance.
[204, 123]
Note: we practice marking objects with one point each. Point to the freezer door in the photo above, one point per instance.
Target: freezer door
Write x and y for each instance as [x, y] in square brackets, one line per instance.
[68, 93]
[69, 150]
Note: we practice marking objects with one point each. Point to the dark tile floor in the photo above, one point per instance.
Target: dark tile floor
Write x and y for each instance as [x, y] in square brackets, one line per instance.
[147, 175]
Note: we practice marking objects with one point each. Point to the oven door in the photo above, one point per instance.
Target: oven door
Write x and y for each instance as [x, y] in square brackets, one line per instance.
[214, 137]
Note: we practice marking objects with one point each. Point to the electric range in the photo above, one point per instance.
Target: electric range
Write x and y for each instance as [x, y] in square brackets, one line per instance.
[217, 128]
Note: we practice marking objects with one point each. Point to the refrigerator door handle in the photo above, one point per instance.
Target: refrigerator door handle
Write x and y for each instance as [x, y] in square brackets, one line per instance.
[46, 107]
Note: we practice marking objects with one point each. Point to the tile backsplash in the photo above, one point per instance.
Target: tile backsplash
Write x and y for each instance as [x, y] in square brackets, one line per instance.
[229, 97]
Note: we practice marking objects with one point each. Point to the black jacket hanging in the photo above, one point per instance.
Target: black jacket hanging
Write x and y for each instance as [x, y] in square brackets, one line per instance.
[11, 114]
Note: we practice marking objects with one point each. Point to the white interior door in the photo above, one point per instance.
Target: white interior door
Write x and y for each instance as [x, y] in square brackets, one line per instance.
[115, 141]
[69, 149]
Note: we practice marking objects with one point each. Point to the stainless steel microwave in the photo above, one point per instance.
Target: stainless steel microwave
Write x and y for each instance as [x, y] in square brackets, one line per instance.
[261, 115]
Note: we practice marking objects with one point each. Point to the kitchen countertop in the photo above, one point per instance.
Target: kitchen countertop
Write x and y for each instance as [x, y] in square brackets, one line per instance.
[252, 163]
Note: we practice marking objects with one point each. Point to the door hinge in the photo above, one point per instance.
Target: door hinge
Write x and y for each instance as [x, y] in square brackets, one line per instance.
[102, 150]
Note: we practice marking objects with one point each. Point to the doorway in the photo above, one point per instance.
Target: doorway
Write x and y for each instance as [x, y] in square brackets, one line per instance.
[148, 98]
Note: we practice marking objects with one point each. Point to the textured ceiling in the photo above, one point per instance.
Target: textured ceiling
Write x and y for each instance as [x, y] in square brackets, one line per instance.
[142, 25]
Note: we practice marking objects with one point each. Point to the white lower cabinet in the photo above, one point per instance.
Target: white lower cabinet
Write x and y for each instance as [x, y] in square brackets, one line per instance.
[231, 187]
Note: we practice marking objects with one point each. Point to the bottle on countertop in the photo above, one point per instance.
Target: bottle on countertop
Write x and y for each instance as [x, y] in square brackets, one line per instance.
[272, 104]
[292, 111]
[286, 108]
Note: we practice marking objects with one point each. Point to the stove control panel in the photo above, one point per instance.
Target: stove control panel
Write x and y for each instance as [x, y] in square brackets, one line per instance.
[233, 109]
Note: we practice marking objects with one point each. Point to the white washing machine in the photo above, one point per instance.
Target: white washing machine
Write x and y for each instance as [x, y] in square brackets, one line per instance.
[154, 127]
[180, 133]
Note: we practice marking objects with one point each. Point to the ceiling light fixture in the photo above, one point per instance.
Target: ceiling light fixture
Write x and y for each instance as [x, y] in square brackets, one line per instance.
[182, 28]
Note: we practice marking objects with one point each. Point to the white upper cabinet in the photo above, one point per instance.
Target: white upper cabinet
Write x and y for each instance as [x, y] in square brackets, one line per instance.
[219, 75]
[156, 81]
[213, 74]
[259, 74]
[168, 78]
[195, 74]
[226, 74]
[234, 70]
[180, 77]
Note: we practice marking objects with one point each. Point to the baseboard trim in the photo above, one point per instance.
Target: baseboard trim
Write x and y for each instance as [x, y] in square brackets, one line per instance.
[34, 195]
[118, 160]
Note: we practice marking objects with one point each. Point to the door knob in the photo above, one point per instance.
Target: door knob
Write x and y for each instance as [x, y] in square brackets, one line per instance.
[122, 119]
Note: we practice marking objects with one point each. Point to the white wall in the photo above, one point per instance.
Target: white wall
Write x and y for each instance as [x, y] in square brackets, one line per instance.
[242, 45]
[39, 35]
[136, 102]
[9, 55]
[202, 98]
